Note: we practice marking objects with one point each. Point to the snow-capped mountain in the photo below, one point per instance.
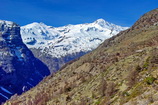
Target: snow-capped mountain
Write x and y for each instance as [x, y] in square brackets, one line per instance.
[68, 39]
[59, 42]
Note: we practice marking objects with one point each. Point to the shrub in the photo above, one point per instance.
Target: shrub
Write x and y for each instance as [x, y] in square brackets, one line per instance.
[103, 87]
[138, 68]
[68, 89]
[132, 77]
[98, 102]
[110, 89]
[146, 64]
[150, 80]
[125, 93]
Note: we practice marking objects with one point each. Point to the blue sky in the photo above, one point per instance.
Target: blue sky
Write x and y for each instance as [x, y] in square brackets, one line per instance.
[62, 12]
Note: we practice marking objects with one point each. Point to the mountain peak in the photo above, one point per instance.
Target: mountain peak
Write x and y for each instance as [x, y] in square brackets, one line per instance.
[35, 24]
[8, 24]
[5, 22]
[101, 22]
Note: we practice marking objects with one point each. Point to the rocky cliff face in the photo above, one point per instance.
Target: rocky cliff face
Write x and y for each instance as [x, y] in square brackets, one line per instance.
[19, 69]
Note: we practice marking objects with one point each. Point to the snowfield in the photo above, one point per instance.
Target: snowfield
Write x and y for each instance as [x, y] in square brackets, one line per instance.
[70, 39]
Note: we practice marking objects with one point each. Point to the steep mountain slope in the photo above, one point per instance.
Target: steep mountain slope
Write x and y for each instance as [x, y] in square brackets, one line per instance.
[122, 70]
[56, 46]
[19, 69]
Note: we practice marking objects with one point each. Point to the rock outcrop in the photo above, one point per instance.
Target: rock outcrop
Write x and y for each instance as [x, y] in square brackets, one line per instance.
[19, 69]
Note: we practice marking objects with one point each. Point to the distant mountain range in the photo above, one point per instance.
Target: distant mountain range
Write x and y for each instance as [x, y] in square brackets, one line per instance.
[57, 45]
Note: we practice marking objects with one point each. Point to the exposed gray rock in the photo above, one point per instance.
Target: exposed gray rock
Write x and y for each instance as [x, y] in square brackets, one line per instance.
[19, 69]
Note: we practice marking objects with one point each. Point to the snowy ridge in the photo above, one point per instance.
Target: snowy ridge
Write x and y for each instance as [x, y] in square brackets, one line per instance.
[6, 23]
[70, 39]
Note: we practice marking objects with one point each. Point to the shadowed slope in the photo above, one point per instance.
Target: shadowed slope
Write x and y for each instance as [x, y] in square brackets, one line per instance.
[19, 69]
